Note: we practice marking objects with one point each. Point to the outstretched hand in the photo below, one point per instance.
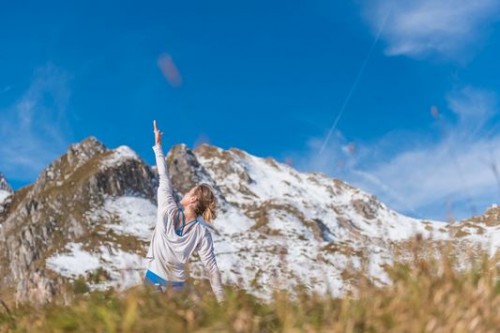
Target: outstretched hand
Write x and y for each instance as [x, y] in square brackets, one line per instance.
[158, 133]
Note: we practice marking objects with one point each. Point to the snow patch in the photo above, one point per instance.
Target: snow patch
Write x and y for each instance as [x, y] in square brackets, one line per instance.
[4, 195]
[232, 221]
[119, 156]
[136, 216]
[126, 269]
[76, 262]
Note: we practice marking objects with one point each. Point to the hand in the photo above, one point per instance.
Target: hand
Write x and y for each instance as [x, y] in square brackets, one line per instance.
[158, 133]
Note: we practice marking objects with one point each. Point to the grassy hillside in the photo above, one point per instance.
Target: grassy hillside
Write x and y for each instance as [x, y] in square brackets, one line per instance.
[427, 295]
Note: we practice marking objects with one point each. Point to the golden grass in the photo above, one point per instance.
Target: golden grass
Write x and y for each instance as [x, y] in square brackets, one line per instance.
[427, 295]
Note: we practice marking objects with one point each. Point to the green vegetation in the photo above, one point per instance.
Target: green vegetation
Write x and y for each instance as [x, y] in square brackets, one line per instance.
[427, 295]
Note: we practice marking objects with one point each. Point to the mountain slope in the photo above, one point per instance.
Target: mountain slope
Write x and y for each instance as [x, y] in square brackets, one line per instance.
[87, 220]
[56, 211]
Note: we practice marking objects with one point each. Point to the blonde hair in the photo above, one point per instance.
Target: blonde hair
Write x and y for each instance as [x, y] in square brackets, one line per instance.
[207, 202]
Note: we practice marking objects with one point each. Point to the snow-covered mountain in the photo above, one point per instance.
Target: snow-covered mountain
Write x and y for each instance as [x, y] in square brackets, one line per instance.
[90, 214]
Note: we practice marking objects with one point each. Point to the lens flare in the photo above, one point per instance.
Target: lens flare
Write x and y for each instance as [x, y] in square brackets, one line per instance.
[169, 70]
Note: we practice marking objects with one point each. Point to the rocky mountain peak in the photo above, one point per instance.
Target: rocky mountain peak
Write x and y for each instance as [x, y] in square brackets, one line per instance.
[186, 171]
[225, 163]
[85, 150]
[59, 208]
[76, 156]
[4, 186]
[490, 218]
[207, 150]
[184, 168]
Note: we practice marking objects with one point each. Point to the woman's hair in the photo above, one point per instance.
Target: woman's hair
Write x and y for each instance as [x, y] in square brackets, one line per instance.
[207, 202]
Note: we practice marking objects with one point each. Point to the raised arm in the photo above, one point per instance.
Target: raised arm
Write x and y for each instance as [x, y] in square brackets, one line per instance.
[207, 256]
[166, 200]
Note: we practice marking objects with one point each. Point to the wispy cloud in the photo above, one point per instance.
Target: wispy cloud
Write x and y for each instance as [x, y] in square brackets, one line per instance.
[34, 130]
[422, 27]
[448, 170]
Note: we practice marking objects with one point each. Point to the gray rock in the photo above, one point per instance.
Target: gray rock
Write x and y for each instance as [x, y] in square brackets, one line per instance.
[4, 186]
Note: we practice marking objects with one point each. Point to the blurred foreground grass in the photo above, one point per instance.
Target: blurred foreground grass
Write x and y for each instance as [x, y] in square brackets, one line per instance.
[427, 295]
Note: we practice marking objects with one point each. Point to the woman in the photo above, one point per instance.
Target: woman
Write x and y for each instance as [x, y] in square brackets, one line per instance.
[179, 231]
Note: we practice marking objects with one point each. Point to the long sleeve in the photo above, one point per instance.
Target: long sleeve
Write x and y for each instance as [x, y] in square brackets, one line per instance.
[167, 206]
[207, 256]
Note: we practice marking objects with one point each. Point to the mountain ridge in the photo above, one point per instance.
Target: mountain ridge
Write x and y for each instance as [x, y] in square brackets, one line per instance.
[89, 216]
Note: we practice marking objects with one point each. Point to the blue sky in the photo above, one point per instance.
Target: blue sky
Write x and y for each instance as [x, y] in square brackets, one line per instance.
[399, 99]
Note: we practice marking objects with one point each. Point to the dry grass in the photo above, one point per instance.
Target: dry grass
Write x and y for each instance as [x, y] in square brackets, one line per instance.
[427, 295]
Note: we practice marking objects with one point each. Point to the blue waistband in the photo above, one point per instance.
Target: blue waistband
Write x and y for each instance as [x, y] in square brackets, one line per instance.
[155, 279]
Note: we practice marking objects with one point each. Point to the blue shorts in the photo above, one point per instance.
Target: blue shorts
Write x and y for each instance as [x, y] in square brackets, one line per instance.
[160, 283]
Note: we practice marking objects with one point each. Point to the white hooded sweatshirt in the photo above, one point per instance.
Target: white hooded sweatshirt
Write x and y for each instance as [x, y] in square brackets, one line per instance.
[168, 252]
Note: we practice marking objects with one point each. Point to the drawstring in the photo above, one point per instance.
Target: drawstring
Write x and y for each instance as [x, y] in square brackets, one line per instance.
[179, 231]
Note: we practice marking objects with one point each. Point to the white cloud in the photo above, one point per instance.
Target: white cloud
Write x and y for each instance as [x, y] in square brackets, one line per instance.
[441, 27]
[420, 175]
[34, 130]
